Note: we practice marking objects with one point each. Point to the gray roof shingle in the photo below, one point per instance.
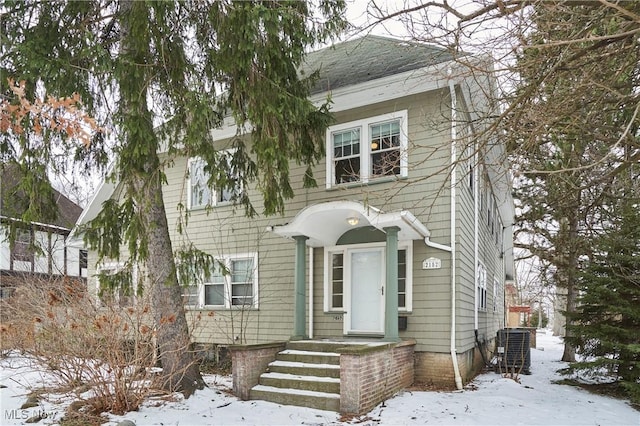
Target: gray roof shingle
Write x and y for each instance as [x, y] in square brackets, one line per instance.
[14, 202]
[369, 58]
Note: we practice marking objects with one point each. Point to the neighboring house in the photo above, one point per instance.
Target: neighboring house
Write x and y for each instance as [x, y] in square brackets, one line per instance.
[38, 251]
[517, 315]
[407, 238]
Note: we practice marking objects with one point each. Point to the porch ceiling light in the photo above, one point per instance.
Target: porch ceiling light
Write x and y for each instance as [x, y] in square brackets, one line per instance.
[353, 221]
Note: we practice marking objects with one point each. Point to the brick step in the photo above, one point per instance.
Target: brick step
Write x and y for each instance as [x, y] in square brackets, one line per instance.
[297, 397]
[296, 381]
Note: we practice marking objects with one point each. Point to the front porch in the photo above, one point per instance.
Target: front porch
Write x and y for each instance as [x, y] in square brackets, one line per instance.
[364, 248]
[348, 376]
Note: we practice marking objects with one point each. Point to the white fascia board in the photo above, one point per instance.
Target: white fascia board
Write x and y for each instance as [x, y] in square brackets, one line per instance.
[387, 88]
[379, 90]
[104, 192]
[39, 224]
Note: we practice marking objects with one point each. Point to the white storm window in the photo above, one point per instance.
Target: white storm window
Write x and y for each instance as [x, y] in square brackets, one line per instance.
[364, 150]
[200, 194]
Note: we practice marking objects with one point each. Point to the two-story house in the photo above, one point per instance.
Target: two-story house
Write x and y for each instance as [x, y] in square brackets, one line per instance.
[397, 261]
[39, 250]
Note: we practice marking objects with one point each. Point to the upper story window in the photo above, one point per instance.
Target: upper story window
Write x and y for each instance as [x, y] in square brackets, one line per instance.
[363, 150]
[200, 194]
[470, 160]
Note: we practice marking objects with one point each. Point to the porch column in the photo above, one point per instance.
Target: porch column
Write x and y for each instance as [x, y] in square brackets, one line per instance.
[391, 287]
[300, 285]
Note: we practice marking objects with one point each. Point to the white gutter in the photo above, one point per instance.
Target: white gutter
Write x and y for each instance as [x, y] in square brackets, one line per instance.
[454, 117]
[310, 292]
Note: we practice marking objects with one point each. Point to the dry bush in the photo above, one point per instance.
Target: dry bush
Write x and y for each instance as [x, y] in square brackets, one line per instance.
[105, 353]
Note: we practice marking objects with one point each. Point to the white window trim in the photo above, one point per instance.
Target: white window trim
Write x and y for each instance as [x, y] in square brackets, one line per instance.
[213, 192]
[227, 284]
[345, 249]
[365, 149]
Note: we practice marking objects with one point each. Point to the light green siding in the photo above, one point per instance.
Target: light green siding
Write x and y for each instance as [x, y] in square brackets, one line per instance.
[224, 230]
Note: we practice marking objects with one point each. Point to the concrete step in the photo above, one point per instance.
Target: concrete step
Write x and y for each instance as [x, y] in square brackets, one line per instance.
[296, 381]
[305, 374]
[311, 357]
[298, 397]
[317, 345]
[304, 369]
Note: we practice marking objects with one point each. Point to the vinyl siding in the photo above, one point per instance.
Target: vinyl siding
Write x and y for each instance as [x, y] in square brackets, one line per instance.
[224, 230]
[425, 193]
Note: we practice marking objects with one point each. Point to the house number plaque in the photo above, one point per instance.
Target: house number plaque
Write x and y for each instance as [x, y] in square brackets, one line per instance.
[432, 263]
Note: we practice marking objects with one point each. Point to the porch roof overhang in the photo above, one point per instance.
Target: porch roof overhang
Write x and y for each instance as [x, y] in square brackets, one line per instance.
[324, 223]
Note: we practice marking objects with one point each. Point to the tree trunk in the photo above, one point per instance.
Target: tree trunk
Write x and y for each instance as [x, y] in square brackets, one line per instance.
[569, 354]
[573, 242]
[143, 175]
[180, 369]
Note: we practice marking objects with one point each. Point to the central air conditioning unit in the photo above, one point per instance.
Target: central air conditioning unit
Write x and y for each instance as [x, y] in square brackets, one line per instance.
[513, 351]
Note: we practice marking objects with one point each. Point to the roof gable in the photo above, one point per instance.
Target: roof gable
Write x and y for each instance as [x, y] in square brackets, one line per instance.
[14, 202]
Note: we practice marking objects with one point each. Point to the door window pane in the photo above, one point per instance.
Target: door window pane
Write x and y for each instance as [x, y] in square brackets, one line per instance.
[337, 280]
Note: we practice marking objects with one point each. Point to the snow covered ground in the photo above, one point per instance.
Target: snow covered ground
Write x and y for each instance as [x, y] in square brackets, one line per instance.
[489, 400]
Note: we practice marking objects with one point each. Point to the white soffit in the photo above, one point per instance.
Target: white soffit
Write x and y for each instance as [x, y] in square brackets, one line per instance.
[324, 223]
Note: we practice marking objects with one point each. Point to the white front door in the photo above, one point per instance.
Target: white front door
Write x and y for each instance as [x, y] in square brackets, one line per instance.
[365, 311]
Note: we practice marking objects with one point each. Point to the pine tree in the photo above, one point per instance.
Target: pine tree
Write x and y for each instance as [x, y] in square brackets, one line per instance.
[606, 324]
[160, 76]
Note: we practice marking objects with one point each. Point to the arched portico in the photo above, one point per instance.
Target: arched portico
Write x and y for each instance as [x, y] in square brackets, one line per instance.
[322, 225]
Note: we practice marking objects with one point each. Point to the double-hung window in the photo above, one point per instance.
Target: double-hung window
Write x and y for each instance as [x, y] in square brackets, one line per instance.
[365, 150]
[200, 194]
[481, 287]
[116, 285]
[232, 283]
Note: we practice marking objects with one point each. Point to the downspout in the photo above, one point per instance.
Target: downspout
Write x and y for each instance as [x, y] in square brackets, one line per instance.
[476, 193]
[310, 311]
[454, 357]
[430, 243]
